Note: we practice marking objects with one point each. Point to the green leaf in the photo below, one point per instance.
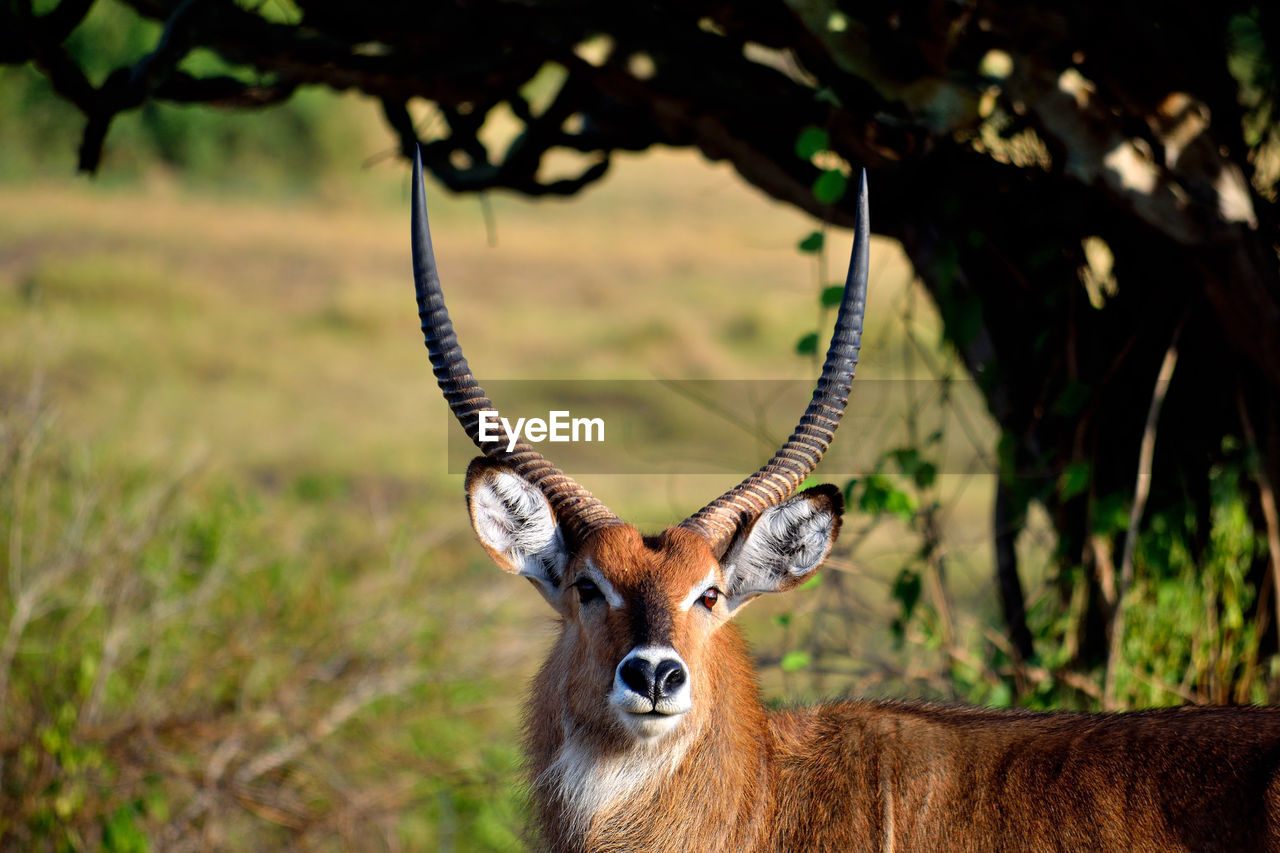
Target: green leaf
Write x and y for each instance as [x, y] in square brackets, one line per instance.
[826, 96]
[1110, 515]
[906, 458]
[1072, 399]
[812, 244]
[807, 345]
[121, 834]
[879, 494]
[830, 186]
[812, 583]
[1074, 480]
[811, 141]
[900, 504]
[875, 493]
[1000, 696]
[906, 590]
[794, 660]
[832, 296]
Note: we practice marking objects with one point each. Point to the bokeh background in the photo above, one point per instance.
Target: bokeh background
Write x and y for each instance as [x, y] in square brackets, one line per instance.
[242, 607]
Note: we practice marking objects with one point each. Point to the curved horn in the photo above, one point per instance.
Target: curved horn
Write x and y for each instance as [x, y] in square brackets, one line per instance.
[576, 508]
[720, 520]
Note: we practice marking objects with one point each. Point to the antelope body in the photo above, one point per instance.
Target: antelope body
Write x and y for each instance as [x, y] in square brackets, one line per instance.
[645, 730]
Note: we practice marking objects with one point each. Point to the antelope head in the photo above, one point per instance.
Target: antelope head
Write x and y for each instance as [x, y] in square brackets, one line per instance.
[640, 614]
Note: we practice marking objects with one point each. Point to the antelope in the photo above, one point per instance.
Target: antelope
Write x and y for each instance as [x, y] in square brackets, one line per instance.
[645, 731]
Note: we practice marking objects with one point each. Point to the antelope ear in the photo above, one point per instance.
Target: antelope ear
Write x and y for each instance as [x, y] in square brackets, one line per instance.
[784, 545]
[514, 523]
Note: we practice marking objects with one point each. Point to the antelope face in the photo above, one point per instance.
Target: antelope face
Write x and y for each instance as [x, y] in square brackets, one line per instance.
[644, 609]
[640, 612]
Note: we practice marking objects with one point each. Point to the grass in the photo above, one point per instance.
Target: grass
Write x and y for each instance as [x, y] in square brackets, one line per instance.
[243, 607]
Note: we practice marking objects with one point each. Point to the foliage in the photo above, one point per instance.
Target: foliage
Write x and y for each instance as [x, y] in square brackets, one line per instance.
[288, 146]
[159, 676]
[1192, 625]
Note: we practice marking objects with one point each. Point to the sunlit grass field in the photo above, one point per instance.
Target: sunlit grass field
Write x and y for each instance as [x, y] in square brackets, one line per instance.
[242, 607]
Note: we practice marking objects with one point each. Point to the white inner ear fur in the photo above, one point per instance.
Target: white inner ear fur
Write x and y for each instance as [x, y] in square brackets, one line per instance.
[787, 542]
[514, 519]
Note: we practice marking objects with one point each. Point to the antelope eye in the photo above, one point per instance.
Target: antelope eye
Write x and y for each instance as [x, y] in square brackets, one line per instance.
[709, 598]
[587, 590]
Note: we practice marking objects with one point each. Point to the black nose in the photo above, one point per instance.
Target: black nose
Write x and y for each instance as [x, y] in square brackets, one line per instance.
[656, 683]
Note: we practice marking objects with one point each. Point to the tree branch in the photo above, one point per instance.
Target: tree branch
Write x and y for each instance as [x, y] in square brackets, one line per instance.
[1141, 489]
[1006, 525]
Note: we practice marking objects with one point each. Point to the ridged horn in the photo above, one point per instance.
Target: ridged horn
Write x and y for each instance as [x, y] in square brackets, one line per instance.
[719, 521]
[577, 509]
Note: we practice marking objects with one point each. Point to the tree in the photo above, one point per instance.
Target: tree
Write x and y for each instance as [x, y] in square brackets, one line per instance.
[1088, 192]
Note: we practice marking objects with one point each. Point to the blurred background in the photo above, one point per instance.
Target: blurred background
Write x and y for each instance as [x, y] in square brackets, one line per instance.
[242, 607]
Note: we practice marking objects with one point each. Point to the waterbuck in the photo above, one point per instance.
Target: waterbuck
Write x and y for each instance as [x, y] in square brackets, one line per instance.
[645, 730]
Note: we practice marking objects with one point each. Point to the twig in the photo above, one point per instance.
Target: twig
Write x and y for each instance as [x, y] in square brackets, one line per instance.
[1024, 671]
[1267, 497]
[1100, 545]
[1178, 690]
[369, 690]
[1006, 524]
[1141, 489]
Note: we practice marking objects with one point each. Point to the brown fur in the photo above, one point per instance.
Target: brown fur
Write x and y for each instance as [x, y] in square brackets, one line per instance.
[860, 776]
